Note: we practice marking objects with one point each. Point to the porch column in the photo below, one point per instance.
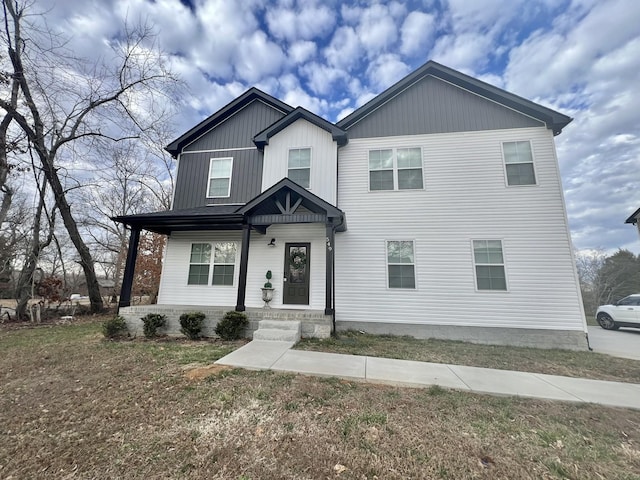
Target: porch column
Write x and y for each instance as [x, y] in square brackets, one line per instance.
[330, 247]
[129, 268]
[244, 262]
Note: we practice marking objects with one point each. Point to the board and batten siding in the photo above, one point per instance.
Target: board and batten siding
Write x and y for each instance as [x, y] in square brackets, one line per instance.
[432, 105]
[465, 197]
[324, 154]
[175, 290]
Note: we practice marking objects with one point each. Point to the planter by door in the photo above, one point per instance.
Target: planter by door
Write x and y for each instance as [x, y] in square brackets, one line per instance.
[297, 260]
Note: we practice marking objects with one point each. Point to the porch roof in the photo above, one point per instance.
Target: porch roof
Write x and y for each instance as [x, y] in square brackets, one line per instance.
[279, 204]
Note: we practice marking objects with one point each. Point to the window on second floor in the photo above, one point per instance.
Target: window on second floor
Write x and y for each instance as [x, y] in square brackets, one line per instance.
[219, 177]
[395, 169]
[518, 160]
[299, 166]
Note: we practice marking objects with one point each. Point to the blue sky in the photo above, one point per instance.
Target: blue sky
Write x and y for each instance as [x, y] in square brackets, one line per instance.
[580, 57]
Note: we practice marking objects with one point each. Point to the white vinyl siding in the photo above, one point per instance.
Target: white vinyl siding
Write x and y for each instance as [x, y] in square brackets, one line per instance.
[219, 183]
[299, 167]
[466, 200]
[401, 264]
[324, 152]
[395, 169]
[518, 163]
[489, 265]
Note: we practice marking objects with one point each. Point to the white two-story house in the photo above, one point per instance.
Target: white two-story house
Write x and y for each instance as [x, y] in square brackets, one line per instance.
[434, 210]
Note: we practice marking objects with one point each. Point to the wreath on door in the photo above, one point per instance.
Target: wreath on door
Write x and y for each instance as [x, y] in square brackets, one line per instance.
[298, 258]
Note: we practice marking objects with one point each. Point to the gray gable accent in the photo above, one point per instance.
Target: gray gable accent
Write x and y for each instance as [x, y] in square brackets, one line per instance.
[434, 106]
[555, 121]
[226, 112]
[193, 173]
[238, 130]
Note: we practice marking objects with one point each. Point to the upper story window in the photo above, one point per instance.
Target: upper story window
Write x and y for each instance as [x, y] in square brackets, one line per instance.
[489, 265]
[220, 177]
[299, 166]
[395, 169]
[518, 160]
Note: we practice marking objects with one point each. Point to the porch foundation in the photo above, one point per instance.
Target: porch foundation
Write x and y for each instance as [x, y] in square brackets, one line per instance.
[314, 323]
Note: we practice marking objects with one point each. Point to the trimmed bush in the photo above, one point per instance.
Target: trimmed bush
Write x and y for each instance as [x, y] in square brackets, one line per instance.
[232, 325]
[115, 327]
[191, 324]
[152, 321]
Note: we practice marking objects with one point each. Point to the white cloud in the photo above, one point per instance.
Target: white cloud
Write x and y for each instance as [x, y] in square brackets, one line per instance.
[417, 33]
[303, 23]
[322, 78]
[302, 51]
[257, 57]
[377, 31]
[344, 49]
[469, 51]
[386, 70]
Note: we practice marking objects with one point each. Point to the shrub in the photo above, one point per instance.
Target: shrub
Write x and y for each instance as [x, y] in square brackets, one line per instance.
[232, 325]
[115, 327]
[269, 276]
[191, 324]
[152, 321]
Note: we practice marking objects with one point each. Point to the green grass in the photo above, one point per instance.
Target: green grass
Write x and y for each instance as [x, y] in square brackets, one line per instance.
[555, 362]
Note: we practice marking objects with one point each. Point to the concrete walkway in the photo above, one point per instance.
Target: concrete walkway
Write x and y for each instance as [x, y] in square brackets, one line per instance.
[268, 355]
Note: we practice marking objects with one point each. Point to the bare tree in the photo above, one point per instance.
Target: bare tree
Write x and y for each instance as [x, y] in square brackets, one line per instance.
[68, 105]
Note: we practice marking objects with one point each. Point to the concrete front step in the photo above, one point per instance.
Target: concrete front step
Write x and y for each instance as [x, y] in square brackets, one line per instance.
[278, 330]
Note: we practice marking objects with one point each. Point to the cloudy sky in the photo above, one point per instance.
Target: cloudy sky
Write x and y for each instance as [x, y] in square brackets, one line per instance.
[581, 57]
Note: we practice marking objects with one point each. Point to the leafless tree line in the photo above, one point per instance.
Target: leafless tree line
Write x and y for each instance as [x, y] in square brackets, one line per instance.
[79, 142]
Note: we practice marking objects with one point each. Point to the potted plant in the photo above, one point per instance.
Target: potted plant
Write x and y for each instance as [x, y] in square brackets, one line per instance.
[267, 290]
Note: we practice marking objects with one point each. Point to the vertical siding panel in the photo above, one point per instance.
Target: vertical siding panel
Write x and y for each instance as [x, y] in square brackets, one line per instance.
[434, 106]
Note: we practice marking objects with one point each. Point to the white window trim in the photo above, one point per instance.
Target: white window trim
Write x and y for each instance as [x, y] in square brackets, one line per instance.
[504, 266]
[209, 177]
[213, 264]
[415, 264]
[310, 167]
[189, 263]
[395, 169]
[533, 163]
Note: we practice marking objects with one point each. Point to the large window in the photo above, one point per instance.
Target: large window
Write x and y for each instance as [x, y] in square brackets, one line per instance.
[300, 166]
[395, 169]
[400, 264]
[518, 160]
[199, 264]
[489, 265]
[220, 177]
[224, 260]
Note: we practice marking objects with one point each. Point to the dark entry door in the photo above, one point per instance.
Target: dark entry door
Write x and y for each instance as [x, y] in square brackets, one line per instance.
[296, 273]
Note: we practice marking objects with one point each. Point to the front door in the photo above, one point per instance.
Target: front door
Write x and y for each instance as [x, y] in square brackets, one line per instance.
[296, 274]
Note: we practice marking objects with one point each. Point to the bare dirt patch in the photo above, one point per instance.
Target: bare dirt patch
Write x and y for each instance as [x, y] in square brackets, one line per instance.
[200, 372]
[75, 406]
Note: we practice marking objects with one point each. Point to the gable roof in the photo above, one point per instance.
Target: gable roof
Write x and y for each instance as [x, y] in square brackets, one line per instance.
[633, 218]
[555, 121]
[225, 112]
[262, 138]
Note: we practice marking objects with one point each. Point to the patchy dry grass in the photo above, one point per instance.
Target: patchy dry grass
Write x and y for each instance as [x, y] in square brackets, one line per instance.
[554, 362]
[73, 405]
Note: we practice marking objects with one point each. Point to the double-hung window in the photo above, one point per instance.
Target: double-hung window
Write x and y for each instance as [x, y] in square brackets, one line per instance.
[199, 264]
[395, 169]
[219, 177]
[518, 160]
[224, 261]
[401, 264]
[489, 265]
[299, 166]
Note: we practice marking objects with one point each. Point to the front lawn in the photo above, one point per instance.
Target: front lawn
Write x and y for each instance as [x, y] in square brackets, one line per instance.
[73, 405]
[583, 364]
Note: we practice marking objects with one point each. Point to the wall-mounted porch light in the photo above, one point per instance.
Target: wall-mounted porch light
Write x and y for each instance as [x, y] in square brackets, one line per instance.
[272, 243]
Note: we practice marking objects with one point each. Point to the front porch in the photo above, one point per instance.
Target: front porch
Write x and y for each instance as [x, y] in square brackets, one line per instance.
[314, 323]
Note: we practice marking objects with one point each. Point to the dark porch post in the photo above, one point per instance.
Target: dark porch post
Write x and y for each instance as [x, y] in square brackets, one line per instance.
[328, 304]
[129, 268]
[244, 262]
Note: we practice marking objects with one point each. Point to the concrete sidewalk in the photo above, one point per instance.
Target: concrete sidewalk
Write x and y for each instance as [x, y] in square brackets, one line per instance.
[268, 355]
